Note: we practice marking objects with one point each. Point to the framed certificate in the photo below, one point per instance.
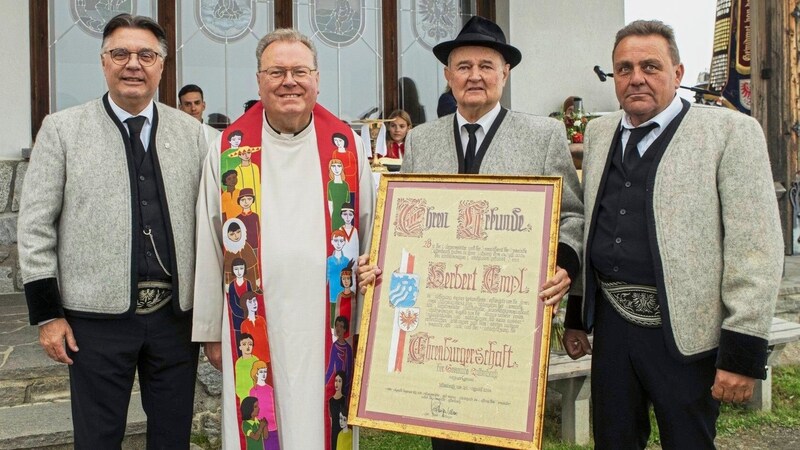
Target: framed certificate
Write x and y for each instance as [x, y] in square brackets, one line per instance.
[454, 341]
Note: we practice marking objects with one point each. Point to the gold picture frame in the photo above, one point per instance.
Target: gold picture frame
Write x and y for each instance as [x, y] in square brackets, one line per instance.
[454, 342]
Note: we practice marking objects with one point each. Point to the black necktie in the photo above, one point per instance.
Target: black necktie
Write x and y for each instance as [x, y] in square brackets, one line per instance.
[632, 156]
[469, 155]
[135, 125]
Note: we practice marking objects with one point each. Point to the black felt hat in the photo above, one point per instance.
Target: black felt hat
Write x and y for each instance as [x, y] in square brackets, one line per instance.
[480, 32]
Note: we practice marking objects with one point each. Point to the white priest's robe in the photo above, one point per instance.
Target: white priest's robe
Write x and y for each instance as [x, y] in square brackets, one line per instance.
[293, 278]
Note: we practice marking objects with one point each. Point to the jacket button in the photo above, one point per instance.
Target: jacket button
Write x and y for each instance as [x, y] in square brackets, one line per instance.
[618, 240]
[627, 184]
[622, 212]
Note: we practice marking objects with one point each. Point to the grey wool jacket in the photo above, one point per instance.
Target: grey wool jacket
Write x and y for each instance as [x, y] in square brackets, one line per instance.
[714, 233]
[75, 230]
[524, 145]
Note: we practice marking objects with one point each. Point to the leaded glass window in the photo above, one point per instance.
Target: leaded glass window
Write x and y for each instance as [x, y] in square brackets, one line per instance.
[75, 38]
[347, 34]
[215, 49]
[421, 25]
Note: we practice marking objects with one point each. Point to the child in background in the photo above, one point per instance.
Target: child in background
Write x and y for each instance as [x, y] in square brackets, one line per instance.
[398, 129]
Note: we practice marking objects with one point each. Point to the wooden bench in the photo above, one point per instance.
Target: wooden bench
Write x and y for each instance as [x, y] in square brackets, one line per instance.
[572, 380]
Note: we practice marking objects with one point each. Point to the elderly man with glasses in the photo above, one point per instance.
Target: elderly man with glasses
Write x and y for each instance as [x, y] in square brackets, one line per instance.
[106, 245]
[304, 179]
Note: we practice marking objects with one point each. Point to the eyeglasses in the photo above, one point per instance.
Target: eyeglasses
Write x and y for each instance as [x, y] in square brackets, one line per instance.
[121, 56]
[276, 73]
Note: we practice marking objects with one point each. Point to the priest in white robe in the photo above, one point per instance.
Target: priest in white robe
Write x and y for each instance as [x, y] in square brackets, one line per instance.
[295, 230]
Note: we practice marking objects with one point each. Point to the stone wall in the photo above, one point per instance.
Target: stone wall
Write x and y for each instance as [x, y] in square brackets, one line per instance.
[208, 402]
[11, 175]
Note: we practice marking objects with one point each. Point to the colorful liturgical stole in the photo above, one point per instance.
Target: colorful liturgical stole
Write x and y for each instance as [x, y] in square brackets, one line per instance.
[240, 174]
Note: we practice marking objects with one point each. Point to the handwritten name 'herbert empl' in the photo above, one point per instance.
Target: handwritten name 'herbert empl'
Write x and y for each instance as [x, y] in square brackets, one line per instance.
[441, 277]
[493, 279]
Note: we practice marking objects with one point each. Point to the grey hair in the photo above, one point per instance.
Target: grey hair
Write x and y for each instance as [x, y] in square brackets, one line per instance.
[649, 28]
[139, 22]
[284, 35]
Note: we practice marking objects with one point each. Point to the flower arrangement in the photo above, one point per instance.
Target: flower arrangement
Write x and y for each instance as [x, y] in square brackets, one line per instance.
[574, 118]
[575, 125]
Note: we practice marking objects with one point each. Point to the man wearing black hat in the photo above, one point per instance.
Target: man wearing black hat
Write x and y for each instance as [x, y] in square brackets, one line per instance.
[482, 137]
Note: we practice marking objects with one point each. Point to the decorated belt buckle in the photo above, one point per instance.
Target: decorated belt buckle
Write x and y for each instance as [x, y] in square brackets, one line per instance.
[636, 304]
[153, 295]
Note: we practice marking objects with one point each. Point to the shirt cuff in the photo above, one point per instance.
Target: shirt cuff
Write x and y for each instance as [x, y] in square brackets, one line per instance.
[568, 260]
[44, 300]
[742, 354]
[572, 318]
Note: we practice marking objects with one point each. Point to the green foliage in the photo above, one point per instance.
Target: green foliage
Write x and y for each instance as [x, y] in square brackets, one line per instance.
[380, 440]
[786, 386]
[203, 441]
[199, 439]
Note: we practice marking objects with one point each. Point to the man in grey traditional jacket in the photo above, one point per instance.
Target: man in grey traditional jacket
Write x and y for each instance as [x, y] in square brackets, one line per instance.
[482, 137]
[683, 254]
[106, 245]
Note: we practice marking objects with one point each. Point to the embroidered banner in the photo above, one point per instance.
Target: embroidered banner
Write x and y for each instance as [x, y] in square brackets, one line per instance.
[730, 63]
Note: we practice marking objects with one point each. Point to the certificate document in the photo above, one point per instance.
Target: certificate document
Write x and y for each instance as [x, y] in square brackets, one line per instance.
[454, 341]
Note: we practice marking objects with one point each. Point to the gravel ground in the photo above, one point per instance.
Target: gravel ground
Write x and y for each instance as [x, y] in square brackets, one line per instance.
[766, 438]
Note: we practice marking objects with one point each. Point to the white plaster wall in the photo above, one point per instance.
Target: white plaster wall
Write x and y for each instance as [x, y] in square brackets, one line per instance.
[561, 41]
[15, 73]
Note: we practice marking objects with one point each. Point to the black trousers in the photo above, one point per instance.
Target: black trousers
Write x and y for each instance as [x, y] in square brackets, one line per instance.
[631, 369]
[444, 444]
[101, 378]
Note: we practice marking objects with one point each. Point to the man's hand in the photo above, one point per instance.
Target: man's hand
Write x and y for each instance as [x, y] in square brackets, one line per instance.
[554, 289]
[213, 351]
[52, 337]
[367, 274]
[732, 387]
[576, 343]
